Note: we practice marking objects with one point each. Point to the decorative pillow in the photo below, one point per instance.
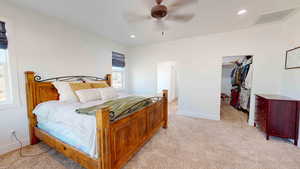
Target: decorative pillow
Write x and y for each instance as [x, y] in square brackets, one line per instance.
[108, 93]
[80, 86]
[99, 85]
[87, 95]
[65, 92]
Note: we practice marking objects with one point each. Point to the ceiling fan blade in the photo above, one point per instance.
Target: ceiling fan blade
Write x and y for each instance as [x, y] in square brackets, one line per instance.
[133, 17]
[181, 18]
[180, 3]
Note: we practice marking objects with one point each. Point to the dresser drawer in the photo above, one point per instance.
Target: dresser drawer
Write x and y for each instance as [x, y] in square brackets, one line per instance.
[283, 119]
[261, 112]
[261, 109]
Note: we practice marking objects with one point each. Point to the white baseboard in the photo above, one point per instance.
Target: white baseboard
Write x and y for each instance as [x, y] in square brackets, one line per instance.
[209, 116]
[13, 146]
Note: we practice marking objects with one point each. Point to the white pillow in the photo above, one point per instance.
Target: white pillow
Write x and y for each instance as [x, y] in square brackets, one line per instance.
[42, 110]
[108, 93]
[65, 92]
[87, 95]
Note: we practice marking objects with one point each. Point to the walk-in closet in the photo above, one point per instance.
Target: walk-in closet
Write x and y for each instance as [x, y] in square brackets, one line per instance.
[236, 87]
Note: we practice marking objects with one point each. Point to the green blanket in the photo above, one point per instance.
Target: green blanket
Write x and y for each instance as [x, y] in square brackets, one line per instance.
[119, 107]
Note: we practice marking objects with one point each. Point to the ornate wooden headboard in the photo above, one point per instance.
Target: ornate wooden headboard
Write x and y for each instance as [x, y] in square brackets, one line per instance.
[40, 90]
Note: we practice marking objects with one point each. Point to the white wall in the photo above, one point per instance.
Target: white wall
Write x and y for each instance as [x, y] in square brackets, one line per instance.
[290, 82]
[226, 80]
[199, 61]
[49, 46]
[290, 79]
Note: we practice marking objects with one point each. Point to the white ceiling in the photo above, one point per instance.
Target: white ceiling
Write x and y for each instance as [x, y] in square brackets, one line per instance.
[106, 17]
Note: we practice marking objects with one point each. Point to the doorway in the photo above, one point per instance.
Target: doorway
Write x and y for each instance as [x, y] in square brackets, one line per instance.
[236, 87]
[167, 79]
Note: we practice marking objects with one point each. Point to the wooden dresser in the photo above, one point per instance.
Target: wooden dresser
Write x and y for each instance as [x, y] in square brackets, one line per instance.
[277, 116]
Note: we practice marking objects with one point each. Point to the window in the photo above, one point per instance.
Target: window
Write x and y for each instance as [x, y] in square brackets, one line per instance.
[3, 76]
[118, 78]
[4, 67]
[118, 70]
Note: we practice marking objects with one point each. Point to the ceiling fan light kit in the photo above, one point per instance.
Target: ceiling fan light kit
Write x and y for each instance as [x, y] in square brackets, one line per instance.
[159, 11]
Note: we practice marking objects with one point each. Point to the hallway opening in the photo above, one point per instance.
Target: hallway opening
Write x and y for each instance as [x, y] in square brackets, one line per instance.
[167, 79]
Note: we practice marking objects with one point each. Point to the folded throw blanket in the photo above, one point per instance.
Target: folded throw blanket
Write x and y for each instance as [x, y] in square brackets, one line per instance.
[119, 107]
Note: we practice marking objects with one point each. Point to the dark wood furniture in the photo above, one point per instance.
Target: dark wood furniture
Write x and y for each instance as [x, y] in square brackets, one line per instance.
[118, 141]
[277, 116]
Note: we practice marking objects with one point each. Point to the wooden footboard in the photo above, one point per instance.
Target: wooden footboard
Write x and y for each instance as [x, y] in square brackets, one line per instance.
[117, 141]
[121, 139]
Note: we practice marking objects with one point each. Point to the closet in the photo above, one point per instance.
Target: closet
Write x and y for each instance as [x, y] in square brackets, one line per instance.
[236, 81]
[241, 80]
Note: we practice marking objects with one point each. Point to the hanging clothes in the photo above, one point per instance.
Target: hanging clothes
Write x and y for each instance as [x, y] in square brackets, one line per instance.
[235, 94]
[248, 81]
[245, 68]
[241, 77]
[236, 73]
[244, 98]
[246, 85]
[244, 72]
[233, 75]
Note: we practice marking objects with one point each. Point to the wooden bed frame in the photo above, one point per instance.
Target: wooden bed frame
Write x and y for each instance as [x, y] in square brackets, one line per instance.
[117, 141]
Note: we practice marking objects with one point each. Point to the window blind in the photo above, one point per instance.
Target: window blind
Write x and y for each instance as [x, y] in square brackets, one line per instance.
[3, 37]
[118, 60]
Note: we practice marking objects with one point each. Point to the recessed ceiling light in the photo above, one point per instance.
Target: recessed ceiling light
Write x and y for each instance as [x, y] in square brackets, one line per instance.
[242, 12]
[132, 36]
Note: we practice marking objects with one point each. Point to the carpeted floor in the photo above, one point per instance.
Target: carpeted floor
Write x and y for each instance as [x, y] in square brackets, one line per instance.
[189, 144]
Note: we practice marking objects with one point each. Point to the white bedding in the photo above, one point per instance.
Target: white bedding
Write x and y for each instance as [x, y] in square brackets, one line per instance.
[60, 120]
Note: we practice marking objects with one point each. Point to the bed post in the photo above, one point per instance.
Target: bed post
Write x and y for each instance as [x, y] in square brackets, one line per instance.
[165, 108]
[103, 138]
[108, 79]
[30, 95]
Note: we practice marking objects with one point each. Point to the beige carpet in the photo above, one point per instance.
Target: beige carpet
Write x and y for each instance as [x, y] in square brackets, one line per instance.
[190, 144]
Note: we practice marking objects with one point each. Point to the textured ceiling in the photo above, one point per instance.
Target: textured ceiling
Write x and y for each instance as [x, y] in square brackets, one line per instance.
[106, 17]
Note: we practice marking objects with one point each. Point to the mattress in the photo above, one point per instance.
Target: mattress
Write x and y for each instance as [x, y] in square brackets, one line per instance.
[60, 120]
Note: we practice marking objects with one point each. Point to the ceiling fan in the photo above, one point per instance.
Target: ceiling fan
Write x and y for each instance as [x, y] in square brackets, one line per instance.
[161, 13]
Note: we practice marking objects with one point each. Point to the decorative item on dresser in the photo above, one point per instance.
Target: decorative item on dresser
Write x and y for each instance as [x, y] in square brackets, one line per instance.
[117, 141]
[277, 116]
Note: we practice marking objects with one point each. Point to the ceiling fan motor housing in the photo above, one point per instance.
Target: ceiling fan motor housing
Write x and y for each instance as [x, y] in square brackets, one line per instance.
[159, 11]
